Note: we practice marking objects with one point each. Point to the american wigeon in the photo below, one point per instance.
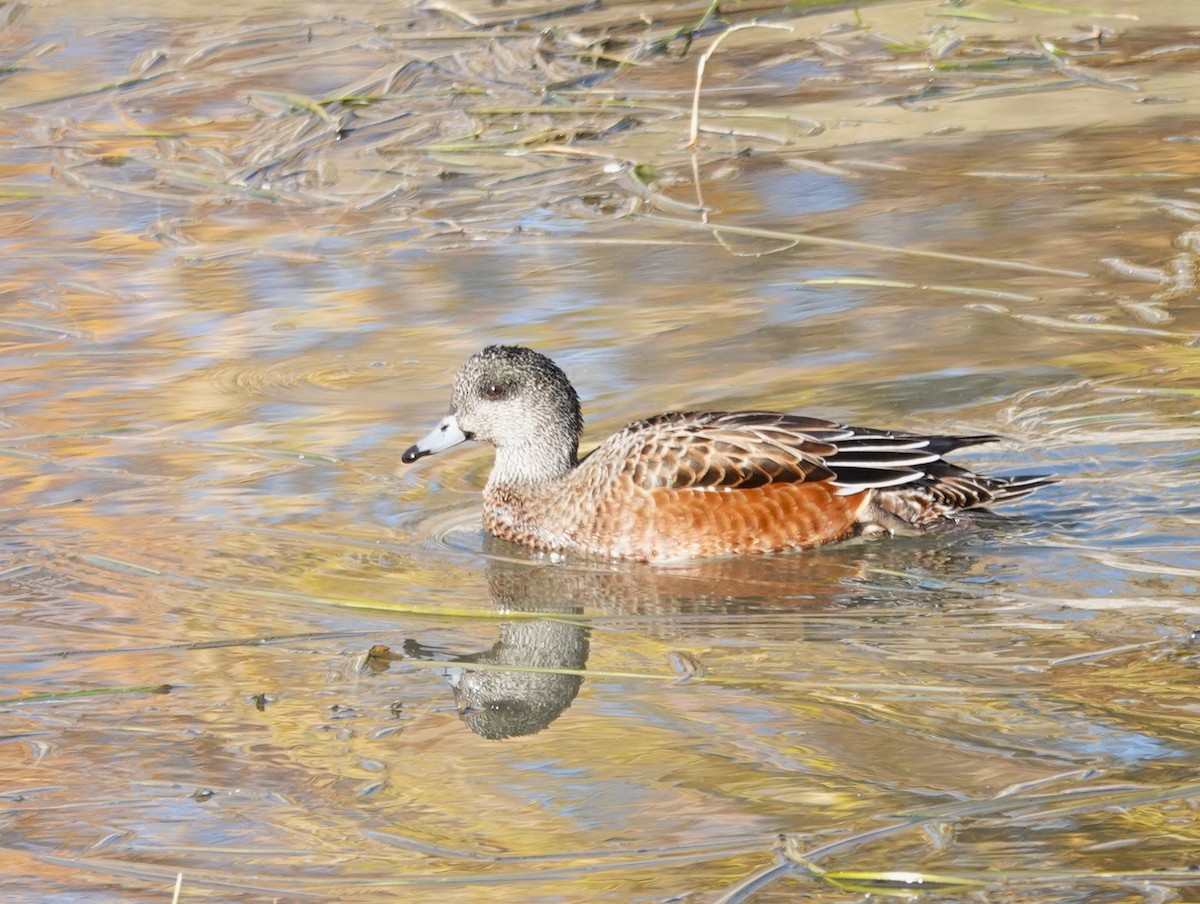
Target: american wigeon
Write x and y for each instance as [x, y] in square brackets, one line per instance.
[694, 483]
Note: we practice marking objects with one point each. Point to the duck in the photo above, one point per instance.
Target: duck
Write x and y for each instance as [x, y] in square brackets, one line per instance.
[695, 484]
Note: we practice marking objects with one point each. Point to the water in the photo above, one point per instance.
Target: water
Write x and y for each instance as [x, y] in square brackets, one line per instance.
[222, 326]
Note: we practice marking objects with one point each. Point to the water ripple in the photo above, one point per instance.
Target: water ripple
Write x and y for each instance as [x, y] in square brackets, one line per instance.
[265, 377]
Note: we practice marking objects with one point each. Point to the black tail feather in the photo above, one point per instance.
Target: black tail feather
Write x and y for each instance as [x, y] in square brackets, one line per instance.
[943, 444]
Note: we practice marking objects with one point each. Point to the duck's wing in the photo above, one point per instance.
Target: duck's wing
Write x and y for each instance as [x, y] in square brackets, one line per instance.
[746, 449]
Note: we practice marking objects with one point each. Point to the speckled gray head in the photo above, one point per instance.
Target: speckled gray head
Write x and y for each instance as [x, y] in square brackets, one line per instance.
[519, 401]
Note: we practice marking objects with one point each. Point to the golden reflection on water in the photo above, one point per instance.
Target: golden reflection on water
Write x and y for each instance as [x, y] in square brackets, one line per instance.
[235, 288]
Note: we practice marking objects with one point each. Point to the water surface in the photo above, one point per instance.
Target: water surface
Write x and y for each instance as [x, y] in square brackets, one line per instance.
[244, 251]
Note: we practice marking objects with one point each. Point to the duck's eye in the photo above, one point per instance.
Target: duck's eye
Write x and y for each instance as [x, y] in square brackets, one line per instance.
[494, 390]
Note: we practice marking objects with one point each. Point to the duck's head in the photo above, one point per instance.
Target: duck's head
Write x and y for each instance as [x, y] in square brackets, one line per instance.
[519, 401]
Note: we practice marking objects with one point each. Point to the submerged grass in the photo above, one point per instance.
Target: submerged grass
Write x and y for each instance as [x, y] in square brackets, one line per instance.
[842, 693]
[63, 696]
[555, 86]
[1017, 808]
[792, 239]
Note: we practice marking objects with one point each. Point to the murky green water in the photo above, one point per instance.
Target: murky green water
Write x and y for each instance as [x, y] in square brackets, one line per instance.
[242, 252]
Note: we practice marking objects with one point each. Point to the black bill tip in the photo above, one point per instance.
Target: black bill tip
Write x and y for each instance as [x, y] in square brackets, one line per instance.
[412, 453]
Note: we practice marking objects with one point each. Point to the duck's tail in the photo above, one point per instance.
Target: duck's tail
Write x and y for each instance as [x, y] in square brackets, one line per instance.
[945, 491]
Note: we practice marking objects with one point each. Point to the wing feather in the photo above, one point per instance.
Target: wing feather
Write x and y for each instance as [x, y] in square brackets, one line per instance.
[747, 449]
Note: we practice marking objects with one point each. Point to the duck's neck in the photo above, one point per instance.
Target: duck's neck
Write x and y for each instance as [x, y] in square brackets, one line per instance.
[533, 464]
[525, 490]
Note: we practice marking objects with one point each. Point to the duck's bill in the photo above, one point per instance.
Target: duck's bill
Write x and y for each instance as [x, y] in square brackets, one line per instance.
[445, 435]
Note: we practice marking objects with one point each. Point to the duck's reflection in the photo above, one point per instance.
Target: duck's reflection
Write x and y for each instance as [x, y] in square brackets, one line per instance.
[501, 703]
[530, 674]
